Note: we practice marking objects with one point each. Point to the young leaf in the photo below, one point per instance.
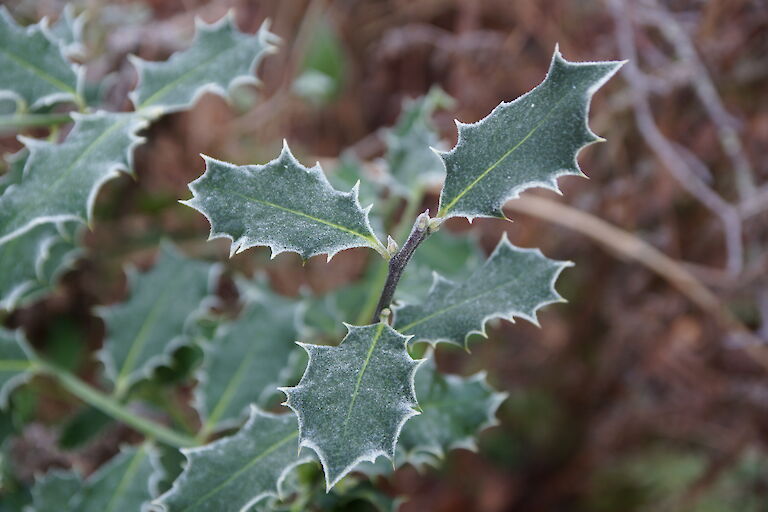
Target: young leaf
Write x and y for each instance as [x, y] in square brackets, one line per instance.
[513, 282]
[353, 399]
[123, 483]
[247, 358]
[34, 70]
[54, 490]
[529, 142]
[410, 159]
[235, 472]
[143, 331]
[454, 410]
[60, 181]
[14, 362]
[220, 58]
[283, 205]
[31, 263]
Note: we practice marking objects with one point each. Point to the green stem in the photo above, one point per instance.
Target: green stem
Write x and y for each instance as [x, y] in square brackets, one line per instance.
[104, 403]
[16, 122]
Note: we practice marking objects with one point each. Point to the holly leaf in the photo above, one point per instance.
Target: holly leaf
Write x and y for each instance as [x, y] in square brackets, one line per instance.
[31, 263]
[454, 410]
[55, 488]
[143, 331]
[247, 358]
[34, 70]
[123, 483]
[60, 181]
[14, 362]
[236, 472]
[283, 205]
[353, 399]
[529, 142]
[219, 58]
[513, 282]
[411, 162]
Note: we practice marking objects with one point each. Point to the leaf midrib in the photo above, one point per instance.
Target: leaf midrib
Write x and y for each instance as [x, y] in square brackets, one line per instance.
[368, 356]
[445, 209]
[41, 73]
[169, 86]
[453, 306]
[14, 365]
[371, 241]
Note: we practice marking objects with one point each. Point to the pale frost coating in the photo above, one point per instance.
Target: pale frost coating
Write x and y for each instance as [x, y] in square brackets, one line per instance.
[60, 181]
[354, 399]
[513, 282]
[33, 70]
[220, 58]
[235, 472]
[247, 358]
[14, 362]
[144, 330]
[282, 205]
[529, 142]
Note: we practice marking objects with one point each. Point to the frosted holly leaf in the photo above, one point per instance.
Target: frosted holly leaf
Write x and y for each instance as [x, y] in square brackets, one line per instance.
[443, 252]
[34, 70]
[31, 263]
[247, 359]
[220, 58]
[15, 364]
[68, 32]
[529, 142]
[143, 331]
[353, 399]
[235, 472]
[283, 205]
[54, 490]
[123, 483]
[513, 282]
[453, 412]
[60, 181]
[411, 162]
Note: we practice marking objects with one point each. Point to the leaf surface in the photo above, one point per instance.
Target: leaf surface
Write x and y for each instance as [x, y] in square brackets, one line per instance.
[54, 489]
[247, 358]
[219, 58]
[235, 472]
[529, 142]
[68, 32]
[353, 399]
[34, 70]
[283, 205]
[121, 484]
[60, 181]
[142, 332]
[454, 410]
[14, 362]
[513, 282]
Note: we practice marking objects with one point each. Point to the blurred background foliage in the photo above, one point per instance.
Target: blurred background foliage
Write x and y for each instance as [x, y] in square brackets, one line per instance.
[646, 392]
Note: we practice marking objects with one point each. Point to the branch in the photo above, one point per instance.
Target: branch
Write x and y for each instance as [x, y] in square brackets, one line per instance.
[420, 231]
